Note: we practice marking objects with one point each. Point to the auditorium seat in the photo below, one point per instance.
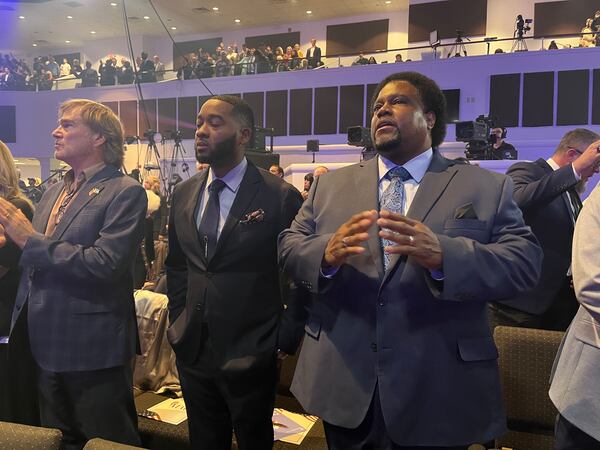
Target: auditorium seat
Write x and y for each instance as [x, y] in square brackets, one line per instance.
[101, 444]
[526, 358]
[24, 437]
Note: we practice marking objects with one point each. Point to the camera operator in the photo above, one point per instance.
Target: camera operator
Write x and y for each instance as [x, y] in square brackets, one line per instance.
[500, 148]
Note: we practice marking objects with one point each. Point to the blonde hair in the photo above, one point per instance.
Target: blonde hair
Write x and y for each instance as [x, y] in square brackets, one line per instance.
[154, 183]
[9, 178]
[102, 120]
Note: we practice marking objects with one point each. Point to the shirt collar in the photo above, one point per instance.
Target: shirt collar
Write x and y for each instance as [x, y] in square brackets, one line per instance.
[416, 166]
[86, 174]
[552, 164]
[233, 178]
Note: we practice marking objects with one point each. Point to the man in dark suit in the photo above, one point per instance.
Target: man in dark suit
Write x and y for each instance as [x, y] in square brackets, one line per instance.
[402, 252]
[148, 75]
[313, 55]
[76, 286]
[225, 306]
[547, 191]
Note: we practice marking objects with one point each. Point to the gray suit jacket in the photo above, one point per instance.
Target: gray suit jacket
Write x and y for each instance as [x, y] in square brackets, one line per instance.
[78, 282]
[426, 345]
[575, 390]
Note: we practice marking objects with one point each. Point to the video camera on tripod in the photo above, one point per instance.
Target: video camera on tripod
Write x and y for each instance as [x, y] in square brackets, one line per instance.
[478, 136]
[523, 26]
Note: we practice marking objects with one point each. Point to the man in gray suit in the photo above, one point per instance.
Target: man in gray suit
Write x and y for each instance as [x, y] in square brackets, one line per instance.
[77, 287]
[574, 390]
[402, 252]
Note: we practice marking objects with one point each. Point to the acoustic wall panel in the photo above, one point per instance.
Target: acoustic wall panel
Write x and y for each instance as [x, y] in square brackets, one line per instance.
[128, 111]
[352, 106]
[114, 106]
[468, 16]
[366, 37]
[505, 92]
[167, 115]
[256, 100]
[368, 103]
[8, 124]
[186, 116]
[452, 104]
[573, 97]
[277, 112]
[301, 101]
[538, 99]
[274, 40]
[596, 97]
[325, 117]
[147, 116]
[562, 17]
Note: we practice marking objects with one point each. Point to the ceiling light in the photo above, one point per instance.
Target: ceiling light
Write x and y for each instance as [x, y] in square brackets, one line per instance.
[92, 32]
[69, 17]
[215, 8]
[21, 17]
[387, 2]
[113, 4]
[309, 12]
[173, 28]
[35, 45]
[237, 20]
[147, 17]
[67, 42]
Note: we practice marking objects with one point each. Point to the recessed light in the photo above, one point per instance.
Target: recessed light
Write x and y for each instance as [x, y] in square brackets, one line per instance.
[67, 42]
[69, 17]
[173, 28]
[387, 2]
[21, 17]
[113, 4]
[147, 17]
[309, 12]
[215, 8]
[237, 20]
[92, 32]
[35, 45]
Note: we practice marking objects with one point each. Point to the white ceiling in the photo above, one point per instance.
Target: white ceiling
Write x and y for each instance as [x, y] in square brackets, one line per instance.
[46, 21]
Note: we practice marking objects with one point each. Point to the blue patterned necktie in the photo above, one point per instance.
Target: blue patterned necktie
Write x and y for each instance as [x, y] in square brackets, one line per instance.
[209, 224]
[393, 200]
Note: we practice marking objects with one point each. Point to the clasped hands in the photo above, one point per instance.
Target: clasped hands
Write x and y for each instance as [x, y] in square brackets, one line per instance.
[411, 238]
[13, 224]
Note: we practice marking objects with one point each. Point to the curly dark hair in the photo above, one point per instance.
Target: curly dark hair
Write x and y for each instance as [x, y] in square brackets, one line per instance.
[432, 98]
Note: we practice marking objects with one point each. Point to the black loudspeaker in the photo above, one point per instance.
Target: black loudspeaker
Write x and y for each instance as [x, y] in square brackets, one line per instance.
[262, 159]
[312, 145]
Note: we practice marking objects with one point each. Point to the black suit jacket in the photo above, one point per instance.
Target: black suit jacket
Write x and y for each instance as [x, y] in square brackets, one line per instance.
[541, 193]
[314, 59]
[237, 292]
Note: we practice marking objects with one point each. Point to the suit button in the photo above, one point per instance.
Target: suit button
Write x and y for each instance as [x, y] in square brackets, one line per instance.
[198, 306]
[381, 300]
[373, 346]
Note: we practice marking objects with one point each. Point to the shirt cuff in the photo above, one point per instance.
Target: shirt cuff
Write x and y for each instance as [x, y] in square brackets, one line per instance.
[329, 273]
[437, 274]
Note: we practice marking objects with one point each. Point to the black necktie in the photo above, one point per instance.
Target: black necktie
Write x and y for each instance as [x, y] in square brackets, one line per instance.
[576, 202]
[209, 224]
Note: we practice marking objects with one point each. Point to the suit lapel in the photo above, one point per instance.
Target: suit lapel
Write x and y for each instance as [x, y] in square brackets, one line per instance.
[189, 212]
[565, 196]
[366, 198]
[87, 192]
[246, 192]
[434, 183]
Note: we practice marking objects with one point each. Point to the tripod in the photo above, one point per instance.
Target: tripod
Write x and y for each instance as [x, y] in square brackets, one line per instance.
[458, 47]
[152, 153]
[519, 45]
[176, 156]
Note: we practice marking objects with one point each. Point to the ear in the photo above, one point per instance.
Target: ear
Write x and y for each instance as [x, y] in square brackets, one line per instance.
[245, 134]
[98, 140]
[430, 119]
[571, 154]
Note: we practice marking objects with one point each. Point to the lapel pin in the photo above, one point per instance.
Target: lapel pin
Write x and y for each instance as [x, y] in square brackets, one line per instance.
[94, 191]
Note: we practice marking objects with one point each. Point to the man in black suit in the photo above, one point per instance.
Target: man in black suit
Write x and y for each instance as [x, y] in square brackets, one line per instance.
[313, 55]
[226, 311]
[147, 70]
[547, 191]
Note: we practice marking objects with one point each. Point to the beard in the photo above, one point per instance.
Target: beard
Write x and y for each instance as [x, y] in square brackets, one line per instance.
[223, 152]
[387, 145]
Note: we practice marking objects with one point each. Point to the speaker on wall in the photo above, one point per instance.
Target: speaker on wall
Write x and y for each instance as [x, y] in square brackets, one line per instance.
[312, 145]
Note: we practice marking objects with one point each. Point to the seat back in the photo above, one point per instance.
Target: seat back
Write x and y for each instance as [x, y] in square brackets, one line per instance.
[525, 359]
[24, 437]
[102, 444]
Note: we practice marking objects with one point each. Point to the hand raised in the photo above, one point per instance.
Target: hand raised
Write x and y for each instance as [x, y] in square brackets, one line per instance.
[412, 237]
[589, 161]
[16, 225]
[346, 241]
